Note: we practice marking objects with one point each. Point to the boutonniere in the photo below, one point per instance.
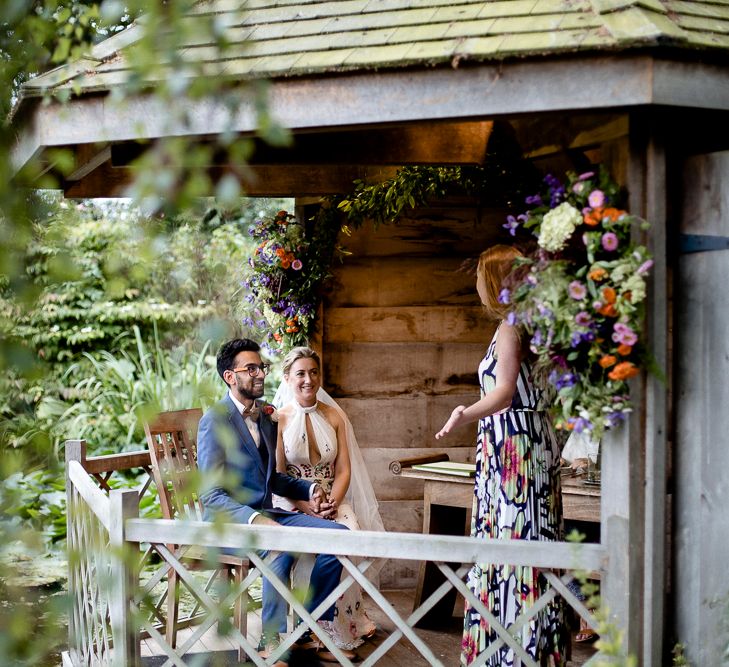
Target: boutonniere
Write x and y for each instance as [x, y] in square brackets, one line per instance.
[270, 412]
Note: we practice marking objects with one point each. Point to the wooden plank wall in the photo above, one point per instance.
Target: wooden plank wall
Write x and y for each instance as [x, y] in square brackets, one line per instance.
[402, 339]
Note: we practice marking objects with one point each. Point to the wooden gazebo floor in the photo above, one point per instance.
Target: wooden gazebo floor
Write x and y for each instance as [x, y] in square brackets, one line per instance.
[215, 651]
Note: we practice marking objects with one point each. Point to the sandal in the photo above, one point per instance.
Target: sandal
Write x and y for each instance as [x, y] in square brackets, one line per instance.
[586, 636]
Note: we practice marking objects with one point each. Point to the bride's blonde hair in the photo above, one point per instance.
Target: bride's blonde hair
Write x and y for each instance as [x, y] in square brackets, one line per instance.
[297, 353]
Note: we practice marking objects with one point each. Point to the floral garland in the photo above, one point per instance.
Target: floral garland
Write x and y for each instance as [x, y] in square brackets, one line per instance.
[579, 297]
[284, 276]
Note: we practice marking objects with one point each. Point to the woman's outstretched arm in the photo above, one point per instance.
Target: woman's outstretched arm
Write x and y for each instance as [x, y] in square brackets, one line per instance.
[508, 355]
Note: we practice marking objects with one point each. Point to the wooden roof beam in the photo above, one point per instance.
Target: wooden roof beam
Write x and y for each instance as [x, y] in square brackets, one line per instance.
[256, 181]
[442, 143]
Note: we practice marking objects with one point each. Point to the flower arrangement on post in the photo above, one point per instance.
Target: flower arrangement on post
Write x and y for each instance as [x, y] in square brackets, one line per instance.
[284, 276]
[580, 298]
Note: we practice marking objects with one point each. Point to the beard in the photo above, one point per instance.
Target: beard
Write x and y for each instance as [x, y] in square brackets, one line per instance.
[252, 391]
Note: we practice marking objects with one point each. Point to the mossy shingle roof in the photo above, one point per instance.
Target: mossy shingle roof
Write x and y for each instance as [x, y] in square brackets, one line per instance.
[279, 38]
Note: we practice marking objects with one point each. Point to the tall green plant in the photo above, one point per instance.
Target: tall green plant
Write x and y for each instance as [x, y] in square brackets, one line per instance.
[120, 390]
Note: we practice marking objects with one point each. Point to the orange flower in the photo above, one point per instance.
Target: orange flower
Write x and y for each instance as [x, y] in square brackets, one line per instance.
[624, 350]
[593, 218]
[607, 360]
[280, 252]
[278, 336]
[608, 310]
[609, 294]
[281, 214]
[623, 371]
[612, 213]
[285, 263]
[597, 274]
[291, 322]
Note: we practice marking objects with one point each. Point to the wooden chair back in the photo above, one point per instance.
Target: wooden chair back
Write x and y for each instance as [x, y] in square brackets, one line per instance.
[172, 442]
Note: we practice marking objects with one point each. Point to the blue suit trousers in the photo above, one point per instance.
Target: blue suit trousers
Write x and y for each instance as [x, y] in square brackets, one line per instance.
[324, 577]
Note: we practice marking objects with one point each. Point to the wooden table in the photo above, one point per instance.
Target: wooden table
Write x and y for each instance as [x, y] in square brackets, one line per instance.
[447, 511]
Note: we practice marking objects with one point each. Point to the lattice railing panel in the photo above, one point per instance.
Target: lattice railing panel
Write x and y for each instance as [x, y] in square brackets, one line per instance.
[90, 576]
[96, 524]
[405, 626]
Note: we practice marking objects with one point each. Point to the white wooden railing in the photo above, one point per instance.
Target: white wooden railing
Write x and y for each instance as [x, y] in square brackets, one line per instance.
[106, 537]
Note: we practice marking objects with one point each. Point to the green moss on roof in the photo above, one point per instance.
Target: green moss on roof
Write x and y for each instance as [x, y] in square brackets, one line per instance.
[294, 37]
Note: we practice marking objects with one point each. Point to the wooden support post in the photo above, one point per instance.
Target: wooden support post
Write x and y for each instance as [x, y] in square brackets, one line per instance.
[621, 533]
[124, 505]
[656, 406]
[623, 450]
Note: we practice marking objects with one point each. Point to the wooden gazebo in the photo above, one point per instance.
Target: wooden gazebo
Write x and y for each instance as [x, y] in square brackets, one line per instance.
[639, 85]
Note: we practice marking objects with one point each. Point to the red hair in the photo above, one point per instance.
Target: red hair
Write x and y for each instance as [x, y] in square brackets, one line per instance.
[494, 265]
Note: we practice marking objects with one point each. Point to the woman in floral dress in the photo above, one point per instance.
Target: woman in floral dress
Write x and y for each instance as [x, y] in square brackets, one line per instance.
[316, 442]
[517, 489]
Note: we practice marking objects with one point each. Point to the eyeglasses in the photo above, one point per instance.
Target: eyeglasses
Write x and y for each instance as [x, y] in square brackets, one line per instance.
[254, 369]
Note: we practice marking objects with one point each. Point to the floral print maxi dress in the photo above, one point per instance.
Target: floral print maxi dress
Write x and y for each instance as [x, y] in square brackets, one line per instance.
[517, 497]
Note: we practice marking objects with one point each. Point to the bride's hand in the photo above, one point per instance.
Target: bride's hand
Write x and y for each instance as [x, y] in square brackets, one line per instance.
[453, 421]
[329, 509]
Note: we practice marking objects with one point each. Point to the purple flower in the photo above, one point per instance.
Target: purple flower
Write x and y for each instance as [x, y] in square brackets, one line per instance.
[596, 198]
[511, 318]
[534, 200]
[562, 380]
[559, 360]
[623, 334]
[504, 296]
[247, 321]
[575, 339]
[609, 241]
[556, 195]
[262, 324]
[582, 319]
[296, 265]
[249, 298]
[580, 424]
[537, 338]
[586, 175]
[588, 336]
[511, 224]
[614, 418]
[577, 290]
[645, 266]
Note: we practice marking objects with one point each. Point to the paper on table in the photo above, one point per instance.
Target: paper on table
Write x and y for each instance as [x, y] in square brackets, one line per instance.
[448, 468]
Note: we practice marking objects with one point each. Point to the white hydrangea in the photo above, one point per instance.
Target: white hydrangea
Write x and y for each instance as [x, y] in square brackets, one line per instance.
[636, 286]
[557, 226]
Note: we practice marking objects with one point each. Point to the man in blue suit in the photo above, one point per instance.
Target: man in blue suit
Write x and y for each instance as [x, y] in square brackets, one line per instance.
[237, 444]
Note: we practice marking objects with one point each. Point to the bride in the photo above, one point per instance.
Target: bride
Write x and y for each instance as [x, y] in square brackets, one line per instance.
[316, 442]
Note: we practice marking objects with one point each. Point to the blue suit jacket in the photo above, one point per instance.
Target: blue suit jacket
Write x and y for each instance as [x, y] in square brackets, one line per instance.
[242, 483]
